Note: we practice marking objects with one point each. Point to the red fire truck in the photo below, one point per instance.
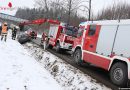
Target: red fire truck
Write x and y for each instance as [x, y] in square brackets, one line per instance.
[30, 32]
[61, 36]
[106, 45]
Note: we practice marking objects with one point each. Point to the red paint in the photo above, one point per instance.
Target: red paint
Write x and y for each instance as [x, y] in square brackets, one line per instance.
[40, 21]
[78, 40]
[90, 44]
[91, 40]
[96, 60]
[55, 35]
[10, 4]
[53, 40]
[53, 21]
[61, 37]
[129, 59]
[69, 39]
[44, 36]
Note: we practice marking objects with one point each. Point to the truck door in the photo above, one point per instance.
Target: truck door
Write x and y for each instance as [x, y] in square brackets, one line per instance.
[91, 37]
[53, 34]
[78, 39]
[90, 45]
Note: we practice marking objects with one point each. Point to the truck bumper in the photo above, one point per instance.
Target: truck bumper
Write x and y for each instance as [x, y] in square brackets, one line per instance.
[66, 46]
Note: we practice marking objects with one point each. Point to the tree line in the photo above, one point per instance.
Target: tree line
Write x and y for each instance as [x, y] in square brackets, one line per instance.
[68, 11]
[63, 10]
[117, 11]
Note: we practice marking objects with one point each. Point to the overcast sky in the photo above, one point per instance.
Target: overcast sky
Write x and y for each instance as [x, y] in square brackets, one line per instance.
[97, 5]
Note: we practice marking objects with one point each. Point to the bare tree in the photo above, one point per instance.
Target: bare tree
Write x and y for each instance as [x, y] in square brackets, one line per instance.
[43, 4]
[72, 6]
[116, 11]
[63, 6]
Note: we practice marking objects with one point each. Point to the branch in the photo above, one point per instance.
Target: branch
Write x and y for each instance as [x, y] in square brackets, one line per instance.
[77, 7]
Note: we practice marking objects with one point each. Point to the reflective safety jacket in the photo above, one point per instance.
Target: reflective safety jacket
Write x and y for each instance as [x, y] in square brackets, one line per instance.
[4, 29]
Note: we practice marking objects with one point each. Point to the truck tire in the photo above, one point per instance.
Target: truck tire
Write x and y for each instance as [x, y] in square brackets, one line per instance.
[48, 45]
[119, 74]
[58, 49]
[77, 57]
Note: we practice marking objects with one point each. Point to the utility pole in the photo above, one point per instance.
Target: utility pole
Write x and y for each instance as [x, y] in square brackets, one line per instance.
[69, 12]
[89, 10]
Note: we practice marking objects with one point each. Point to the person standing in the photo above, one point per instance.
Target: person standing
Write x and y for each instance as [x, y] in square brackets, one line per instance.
[4, 32]
[14, 32]
[0, 28]
[44, 40]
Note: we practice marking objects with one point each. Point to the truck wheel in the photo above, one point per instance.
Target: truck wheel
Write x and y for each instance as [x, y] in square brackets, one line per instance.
[58, 47]
[119, 74]
[77, 57]
[48, 45]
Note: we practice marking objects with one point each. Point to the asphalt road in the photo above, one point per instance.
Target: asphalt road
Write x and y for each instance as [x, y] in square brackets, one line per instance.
[99, 74]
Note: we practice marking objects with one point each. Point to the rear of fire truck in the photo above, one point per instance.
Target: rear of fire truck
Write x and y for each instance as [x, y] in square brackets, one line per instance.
[62, 36]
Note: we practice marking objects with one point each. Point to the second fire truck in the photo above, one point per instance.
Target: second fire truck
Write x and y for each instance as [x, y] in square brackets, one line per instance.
[61, 36]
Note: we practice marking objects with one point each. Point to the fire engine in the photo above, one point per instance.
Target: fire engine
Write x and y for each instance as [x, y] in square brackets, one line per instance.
[105, 44]
[32, 33]
[61, 36]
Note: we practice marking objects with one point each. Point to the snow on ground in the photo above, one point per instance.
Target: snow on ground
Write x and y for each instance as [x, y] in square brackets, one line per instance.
[39, 35]
[19, 71]
[66, 75]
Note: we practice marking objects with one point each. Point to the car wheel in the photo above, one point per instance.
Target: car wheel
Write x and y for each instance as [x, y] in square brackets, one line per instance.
[48, 45]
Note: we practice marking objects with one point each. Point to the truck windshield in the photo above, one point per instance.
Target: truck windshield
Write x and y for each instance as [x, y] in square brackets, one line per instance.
[80, 31]
[71, 31]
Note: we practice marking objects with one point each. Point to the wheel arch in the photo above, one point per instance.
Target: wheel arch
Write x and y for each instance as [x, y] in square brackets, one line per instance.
[122, 60]
[78, 47]
[117, 60]
[57, 41]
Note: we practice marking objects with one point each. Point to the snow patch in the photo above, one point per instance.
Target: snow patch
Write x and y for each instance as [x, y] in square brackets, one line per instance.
[39, 35]
[19, 71]
[66, 75]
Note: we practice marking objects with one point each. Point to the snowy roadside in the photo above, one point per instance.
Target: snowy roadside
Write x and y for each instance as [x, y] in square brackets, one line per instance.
[66, 75]
[39, 35]
[19, 71]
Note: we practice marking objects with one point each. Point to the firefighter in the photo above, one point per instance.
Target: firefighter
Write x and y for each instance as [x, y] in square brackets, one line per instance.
[0, 29]
[44, 40]
[14, 32]
[4, 32]
[33, 34]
